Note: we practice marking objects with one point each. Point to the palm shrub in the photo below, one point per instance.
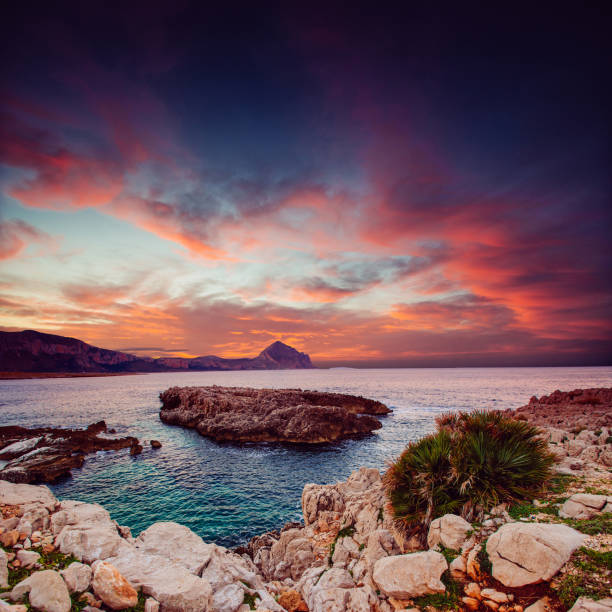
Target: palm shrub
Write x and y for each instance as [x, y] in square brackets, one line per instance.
[473, 462]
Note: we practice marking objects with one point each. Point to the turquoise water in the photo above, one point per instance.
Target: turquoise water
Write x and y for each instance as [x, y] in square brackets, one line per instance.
[228, 493]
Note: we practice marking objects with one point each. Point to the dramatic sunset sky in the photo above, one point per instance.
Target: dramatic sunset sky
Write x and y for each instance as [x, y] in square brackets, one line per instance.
[375, 187]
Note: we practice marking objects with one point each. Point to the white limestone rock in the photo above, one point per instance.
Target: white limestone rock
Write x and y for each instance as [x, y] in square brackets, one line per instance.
[411, 575]
[12, 494]
[528, 553]
[77, 577]
[584, 506]
[176, 543]
[449, 530]
[47, 592]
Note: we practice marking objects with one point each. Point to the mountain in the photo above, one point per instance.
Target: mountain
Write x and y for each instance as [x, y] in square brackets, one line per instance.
[32, 351]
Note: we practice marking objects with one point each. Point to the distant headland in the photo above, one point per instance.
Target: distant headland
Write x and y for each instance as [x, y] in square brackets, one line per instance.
[26, 352]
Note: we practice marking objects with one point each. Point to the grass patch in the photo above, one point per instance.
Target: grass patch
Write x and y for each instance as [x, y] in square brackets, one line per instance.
[597, 524]
[450, 554]
[519, 511]
[483, 559]
[589, 577]
[449, 600]
[249, 600]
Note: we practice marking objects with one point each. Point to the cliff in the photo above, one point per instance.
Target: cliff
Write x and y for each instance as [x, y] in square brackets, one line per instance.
[33, 351]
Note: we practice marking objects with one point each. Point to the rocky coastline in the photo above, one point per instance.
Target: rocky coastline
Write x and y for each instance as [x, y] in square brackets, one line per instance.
[347, 556]
[45, 454]
[241, 414]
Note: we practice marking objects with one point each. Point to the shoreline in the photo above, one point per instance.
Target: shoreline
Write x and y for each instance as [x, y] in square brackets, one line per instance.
[38, 375]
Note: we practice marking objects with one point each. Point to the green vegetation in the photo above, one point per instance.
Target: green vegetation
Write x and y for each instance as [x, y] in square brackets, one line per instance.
[483, 559]
[472, 463]
[590, 577]
[249, 600]
[598, 524]
[524, 510]
[448, 600]
[450, 554]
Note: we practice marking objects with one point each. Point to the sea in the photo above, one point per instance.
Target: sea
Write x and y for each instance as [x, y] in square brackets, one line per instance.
[228, 493]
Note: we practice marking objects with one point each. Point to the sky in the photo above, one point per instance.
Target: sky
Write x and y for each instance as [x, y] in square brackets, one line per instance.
[376, 186]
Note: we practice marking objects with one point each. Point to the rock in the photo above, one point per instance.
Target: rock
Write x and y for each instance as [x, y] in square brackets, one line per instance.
[47, 592]
[176, 543]
[151, 605]
[77, 577]
[541, 605]
[171, 584]
[471, 603]
[135, 449]
[9, 538]
[494, 595]
[605, 457]
[449, 530]
[228, 598]
[20, 494]
[156, 444]
[290, 556]
[45, 454]
[292, 601]
[472, 590]
[584, 506]
[270, 415]
[584, 604]
[27, 558]
[458, 568]
[319, 498]
[410, 575]
[111, 587]
[86, 531]
[528, 553]
[3, 570]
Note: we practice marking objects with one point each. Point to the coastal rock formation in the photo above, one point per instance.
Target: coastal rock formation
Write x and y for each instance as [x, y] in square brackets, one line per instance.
[568, 410]
[33, 351]
[240, 414]
[45, 454]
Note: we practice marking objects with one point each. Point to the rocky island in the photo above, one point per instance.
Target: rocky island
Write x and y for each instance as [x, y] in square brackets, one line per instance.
[45, 454]
[238, 414]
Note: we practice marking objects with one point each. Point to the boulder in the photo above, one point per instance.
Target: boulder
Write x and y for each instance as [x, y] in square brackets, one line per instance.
[12, 494]
[171, 584]
[584, 506]
[228, 598]
[290, 556]
[47, 592]
[176, 543]
[528, 553]
[111, 587]
[411, 575]
[86, 531]
[584, 604]
[27, 558]
[449, 530]
[77, 577]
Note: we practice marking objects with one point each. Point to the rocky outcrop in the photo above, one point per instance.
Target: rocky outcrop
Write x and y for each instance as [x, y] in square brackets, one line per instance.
[528, 553]
[569, 410]
[240, 414]
[46, 454]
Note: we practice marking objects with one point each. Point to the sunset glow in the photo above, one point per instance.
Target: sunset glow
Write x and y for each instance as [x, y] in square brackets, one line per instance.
[173, 188]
